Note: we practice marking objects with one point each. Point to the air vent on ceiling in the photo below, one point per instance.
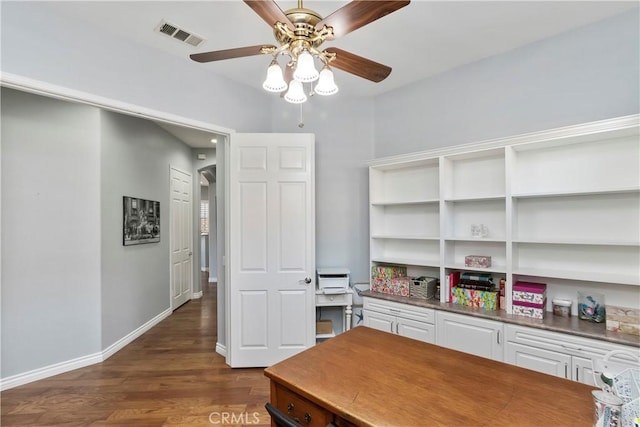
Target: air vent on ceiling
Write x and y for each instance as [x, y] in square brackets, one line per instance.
[179, 34]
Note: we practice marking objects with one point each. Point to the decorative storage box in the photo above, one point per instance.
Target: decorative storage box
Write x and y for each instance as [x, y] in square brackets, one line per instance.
[623, 319]
[390, 280]
[477, 261]
[533, 293]
[387, 272]
[398, 286]
[475, 298]
[535, 311]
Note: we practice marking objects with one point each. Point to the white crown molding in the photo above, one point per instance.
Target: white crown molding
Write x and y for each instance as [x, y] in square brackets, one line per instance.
[573, 131]
[80, 362]
[39, 87]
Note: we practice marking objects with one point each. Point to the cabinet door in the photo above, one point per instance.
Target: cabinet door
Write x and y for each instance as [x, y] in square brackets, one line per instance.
[582, 370]
[380, 321]
[417, 330]
[470, 335]
[536, 359]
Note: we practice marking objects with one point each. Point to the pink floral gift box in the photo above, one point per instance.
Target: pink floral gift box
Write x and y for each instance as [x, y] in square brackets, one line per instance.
[398, 286]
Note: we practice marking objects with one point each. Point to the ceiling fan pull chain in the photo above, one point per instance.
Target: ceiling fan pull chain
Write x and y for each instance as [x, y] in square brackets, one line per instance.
[301, 124]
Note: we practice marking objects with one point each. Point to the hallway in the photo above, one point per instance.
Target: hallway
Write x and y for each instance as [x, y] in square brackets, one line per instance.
[170, 376]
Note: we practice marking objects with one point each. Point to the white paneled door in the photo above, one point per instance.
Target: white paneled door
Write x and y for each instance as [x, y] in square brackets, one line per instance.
[271, 248]
[181, 240]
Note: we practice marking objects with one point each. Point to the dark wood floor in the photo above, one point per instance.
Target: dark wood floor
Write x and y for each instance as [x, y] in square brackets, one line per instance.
[170, 376]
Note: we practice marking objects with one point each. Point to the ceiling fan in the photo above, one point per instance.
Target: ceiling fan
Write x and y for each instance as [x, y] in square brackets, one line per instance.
[299, 33]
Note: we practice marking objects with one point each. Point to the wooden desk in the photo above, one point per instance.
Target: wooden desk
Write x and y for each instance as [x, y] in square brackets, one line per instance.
[366, 377]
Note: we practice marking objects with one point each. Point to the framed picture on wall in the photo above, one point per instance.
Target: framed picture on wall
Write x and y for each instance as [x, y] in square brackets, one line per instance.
[141, 221]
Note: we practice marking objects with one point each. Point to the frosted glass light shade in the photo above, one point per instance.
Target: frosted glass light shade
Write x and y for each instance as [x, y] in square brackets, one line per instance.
[295, 94]
[326, 85]
[275, 81]
[305, 70]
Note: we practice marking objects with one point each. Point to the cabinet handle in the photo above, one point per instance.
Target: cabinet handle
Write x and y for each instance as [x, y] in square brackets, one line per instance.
[498, 337]
[577, 373]
[307, 418]
[392, 322]
[565, 371]
[397, 327]
[290, 408]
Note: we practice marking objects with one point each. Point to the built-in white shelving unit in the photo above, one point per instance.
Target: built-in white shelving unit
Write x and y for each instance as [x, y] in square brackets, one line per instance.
[560, 207]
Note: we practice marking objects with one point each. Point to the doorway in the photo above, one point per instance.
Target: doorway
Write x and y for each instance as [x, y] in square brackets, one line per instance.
[208, 223]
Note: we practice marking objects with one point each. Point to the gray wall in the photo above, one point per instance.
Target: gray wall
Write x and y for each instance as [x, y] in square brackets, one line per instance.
[51, 216]
[39, 43]
[587, 74]
[68, 284]
[134, 161]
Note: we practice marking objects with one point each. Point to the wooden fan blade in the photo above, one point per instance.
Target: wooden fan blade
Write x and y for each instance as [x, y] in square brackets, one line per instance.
[359, 66]
[218, 55]
[357, 14]
[270, 12]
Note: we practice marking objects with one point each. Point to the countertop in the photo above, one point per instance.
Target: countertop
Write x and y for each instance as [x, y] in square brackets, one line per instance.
[571, 325]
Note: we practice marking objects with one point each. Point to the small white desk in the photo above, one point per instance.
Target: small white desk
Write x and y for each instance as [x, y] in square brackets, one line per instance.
[344, 300]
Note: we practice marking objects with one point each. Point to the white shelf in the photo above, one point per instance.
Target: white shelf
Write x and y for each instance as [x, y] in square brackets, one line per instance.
[578, 242]
[405, 261]
[586, 192]
[580, 275]
[324, 336]
[476, 240]
[492, 269]
[404, 237]
[474, 198]
[403, 203]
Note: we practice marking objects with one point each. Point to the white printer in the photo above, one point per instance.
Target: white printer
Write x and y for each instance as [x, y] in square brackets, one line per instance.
[333, 280]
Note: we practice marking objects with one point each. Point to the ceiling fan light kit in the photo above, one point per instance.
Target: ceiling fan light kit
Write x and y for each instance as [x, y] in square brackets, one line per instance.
[300, 32]
[295, 94]
[326, 84]
[275, 80]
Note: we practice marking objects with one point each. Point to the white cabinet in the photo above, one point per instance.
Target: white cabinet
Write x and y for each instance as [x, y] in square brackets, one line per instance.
[561, 207]
[469, 334]
[556, 354]
[402, 319]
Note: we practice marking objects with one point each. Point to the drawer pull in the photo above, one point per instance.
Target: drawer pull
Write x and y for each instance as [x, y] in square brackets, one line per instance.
[290, 408]
[307, 418]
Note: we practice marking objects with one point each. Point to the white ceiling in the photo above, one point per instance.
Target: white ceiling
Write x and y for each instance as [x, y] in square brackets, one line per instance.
[420, 40]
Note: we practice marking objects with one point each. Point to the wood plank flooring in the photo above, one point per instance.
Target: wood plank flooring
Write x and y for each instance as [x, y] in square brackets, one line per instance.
[170, 376]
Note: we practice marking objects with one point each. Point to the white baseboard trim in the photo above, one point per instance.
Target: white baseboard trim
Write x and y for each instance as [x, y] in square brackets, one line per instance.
[122, 342]
[213, 279]
[49, 371]
[197, 295]
[221, 349]
[80, 362]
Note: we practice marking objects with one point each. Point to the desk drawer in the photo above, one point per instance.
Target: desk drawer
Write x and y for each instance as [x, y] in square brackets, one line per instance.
[300, 409]
[333, 299]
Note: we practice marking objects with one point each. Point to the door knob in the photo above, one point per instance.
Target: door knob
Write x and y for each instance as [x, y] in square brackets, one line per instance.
[307, 280]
